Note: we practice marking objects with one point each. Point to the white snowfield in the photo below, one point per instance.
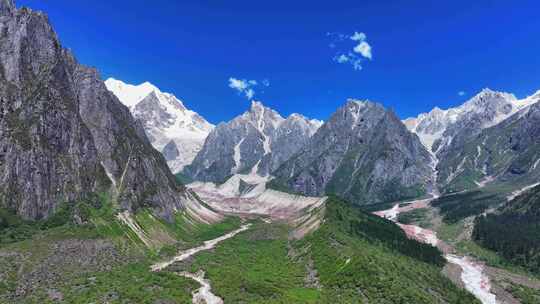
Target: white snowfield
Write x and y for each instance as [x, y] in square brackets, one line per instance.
[186, 128]
[472, 273]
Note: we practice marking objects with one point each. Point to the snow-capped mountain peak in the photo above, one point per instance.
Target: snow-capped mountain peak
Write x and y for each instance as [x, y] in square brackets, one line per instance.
[484, 110]
[168, 123]
[129, 94]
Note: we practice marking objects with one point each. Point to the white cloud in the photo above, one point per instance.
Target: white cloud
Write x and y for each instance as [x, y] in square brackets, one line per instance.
[461, 93]
[237, 84]
[358, 36]
[342, 58]
[364, 49]
[250, 93]
[357, 65]
[354, 55]
[245, 87]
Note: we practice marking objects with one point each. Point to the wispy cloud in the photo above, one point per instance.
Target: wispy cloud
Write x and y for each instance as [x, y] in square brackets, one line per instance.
[462, 93]
[246, 87]
[354, 54]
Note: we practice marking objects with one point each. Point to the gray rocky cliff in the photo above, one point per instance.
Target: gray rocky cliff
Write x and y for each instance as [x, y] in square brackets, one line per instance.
[255, 143]
[63, 135]
[363, 153]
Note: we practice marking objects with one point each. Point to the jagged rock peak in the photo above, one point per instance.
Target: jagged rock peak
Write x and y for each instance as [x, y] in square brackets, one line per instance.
[488, 97]
[254, 143]
[7, 7]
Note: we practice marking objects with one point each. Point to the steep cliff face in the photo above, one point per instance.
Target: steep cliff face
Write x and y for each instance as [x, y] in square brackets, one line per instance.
[63, 135]
[364, 153]
[254, 143]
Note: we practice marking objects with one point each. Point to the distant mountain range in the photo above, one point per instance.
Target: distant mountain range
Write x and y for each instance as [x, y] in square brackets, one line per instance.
[363, 152]
[63, 130]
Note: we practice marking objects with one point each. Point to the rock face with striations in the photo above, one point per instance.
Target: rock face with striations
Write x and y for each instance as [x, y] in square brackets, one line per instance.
[254, 143]
[63, 135]
[363, 153]
[451, 135]
[506, 152]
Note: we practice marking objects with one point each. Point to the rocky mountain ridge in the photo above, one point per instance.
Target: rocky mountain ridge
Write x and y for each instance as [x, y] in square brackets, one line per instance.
[363, 153]
[254, 143]
[450, 134]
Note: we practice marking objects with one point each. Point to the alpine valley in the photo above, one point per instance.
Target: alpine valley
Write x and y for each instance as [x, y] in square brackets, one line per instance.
[118, 193]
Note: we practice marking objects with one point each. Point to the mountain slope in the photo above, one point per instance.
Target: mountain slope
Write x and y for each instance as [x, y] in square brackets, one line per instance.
[467, 156]
[254, 143]
[440, 128]
[63, 134]
[352, 258]
[363, 153]
[173, 130]
[506, 152]
[513, 230]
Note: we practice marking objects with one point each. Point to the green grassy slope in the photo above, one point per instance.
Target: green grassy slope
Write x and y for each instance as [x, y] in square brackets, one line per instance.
[356, 265]
[97, 260]
[354, 257]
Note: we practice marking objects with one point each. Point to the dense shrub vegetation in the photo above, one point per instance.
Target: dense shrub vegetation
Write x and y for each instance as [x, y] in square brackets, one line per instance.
[365, 259]
[456, 207]
[378, 230]
[419, 216]
[514, 231]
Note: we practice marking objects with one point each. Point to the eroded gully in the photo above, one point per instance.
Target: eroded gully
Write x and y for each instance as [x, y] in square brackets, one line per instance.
[204, 293]
[473, 276]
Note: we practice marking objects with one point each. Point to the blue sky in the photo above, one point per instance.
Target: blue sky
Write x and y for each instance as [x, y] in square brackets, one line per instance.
[423, 52]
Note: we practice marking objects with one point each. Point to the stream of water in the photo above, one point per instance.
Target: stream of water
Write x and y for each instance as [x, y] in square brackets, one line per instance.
[204, 293]
[472, 273]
